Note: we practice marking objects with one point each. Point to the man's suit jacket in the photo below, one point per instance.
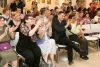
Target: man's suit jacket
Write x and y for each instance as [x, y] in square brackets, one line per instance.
[58, 28]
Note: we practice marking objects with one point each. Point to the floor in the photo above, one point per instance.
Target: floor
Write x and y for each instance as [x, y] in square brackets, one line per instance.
[94, 59]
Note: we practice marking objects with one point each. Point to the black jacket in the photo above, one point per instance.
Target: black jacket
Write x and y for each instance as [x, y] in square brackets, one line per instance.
[58, 29]
[70, 8]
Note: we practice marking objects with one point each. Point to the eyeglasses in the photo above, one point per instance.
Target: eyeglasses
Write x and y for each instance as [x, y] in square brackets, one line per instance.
[73, 18]
[31, 18]
[17, 15]
[2, 20]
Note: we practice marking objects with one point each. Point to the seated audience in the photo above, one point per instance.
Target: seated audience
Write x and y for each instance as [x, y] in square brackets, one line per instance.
[63, 7]
[56, 14]
[26, 45]
[6, 15]
[77, 36]
[33, 5]
[87, 18]
[97, 16]
[59, 28]
[19, 11]
[52, 12]
[80, 18]
[77, 5]
[47, 45]
[91, 10]
[17, 3]
[70, 7]
[16, 21]
[82, 8]
[7, 54]
[36, 12]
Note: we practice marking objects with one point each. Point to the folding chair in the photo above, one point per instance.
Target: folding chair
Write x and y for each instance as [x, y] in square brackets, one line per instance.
[95, 28]
[15, 41]
[57, 52]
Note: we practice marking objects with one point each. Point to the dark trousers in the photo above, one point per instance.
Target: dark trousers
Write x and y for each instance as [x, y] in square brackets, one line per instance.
[65, 41]
[83, 43]
[32, 56]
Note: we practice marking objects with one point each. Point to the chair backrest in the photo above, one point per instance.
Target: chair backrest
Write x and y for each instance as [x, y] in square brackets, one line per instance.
[87, 29]
[95, 28]
[61, 45]
[15, 41]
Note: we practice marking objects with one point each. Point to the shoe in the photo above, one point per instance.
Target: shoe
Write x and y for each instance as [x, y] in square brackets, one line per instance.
[84, 57]
[71, 62]
[51, 66]
[44, 60]
[82, 52]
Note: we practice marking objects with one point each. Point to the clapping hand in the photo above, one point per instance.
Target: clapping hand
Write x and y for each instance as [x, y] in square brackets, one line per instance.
[48, 25]
[39, 22]
[6, 31]
[11, 29]
[69, 22]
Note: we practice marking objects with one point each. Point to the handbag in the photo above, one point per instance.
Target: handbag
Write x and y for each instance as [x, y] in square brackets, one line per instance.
[4, 46]
[22, 63]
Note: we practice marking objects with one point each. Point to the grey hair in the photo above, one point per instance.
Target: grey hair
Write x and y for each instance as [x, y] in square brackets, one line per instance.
[38, 17]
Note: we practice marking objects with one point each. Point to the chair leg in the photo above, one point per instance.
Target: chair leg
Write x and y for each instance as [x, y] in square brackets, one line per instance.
[98, 45]
[74, 54]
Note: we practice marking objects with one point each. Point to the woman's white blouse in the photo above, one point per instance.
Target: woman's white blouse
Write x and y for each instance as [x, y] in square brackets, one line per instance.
[75, 28]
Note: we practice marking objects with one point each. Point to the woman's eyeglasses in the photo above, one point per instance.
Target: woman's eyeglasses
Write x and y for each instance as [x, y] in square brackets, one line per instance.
[31, 18]
[2, 20]
[73, 18]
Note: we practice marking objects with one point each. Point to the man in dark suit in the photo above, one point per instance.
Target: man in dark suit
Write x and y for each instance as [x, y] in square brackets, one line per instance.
[59, 27]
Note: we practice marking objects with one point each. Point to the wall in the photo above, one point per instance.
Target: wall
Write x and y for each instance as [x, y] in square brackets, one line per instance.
[87, 3]
[51, 6]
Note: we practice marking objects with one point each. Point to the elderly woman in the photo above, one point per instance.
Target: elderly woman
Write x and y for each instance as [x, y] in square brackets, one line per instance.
[47, 45]
[76, 35]
[27, 46]
[7, 54]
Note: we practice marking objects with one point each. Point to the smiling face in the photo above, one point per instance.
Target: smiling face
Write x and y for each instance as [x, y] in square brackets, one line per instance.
[61, 16]
[47, 13]
[16, 16]
[2, 21]
[30, 20]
